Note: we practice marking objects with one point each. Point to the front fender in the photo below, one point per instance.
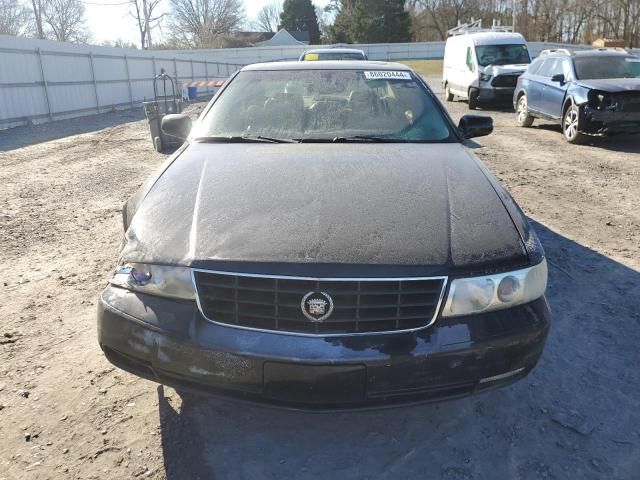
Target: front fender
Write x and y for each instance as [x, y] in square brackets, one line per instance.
[578, 95]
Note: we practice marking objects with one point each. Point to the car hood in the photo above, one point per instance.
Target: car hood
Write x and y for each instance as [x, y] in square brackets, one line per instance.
[613, 85]
[505, 69]
[426, 205]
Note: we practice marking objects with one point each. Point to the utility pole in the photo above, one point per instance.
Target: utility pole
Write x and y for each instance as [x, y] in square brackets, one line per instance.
[146, 23]
[513, 20]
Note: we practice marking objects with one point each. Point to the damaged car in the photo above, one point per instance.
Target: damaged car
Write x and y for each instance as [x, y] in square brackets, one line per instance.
[589, 92]
[325, 239]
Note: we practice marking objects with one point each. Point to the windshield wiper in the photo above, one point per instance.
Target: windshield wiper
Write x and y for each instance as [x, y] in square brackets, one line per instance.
[367, 138]
[242, 139]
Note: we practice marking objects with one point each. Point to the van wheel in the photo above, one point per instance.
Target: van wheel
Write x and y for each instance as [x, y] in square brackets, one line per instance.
[473, 98]
[522, 112]
[571, 125]
[447, 93]
[157, 142]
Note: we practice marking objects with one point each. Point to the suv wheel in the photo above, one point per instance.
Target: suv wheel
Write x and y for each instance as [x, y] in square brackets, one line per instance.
[571, 125]
[473, 98]
[447, 93]
[522, 112]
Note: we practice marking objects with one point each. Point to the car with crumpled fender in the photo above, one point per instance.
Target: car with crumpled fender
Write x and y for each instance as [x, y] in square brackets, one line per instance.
[591, 93]
[326, 239]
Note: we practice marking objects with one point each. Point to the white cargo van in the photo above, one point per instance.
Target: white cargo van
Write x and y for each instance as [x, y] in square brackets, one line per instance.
[483, 66]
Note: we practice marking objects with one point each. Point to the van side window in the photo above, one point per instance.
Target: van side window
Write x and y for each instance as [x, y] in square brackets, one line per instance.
[470, 63]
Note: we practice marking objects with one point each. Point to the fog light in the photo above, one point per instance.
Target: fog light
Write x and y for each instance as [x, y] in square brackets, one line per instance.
[139, 276]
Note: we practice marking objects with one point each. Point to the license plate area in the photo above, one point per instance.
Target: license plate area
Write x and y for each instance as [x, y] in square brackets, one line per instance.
[314, 384]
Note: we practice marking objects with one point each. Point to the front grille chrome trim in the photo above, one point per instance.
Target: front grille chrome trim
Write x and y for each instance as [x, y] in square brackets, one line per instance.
[443, 279]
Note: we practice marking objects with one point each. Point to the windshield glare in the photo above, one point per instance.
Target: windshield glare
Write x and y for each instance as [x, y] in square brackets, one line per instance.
[502, 54]
[323, 105]
[602, 67]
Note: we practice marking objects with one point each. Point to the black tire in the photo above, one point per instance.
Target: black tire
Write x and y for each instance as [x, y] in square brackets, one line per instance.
[473, 98]
[447, 93]
[523, 118]
[157, 143]
[571, 125]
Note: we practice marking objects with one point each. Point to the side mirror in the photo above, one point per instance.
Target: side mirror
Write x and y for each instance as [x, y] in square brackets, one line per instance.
[558, 77]
[176, 125]
[475, 126]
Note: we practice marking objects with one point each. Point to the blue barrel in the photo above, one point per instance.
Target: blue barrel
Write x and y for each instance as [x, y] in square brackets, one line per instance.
[193, 93]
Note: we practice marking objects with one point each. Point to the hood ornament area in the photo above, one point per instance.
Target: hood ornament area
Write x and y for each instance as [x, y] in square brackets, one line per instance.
[317, 306]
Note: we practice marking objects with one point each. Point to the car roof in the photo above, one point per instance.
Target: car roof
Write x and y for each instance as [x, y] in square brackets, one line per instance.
[328, 65]
[600, 52]
[592, 52]
[335, 50]
[491, 38]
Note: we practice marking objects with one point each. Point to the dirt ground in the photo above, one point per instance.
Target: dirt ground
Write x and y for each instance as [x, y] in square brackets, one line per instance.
[65, 412]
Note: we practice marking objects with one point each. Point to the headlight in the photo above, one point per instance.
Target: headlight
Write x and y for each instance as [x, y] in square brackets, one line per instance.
[162, 280]
[485, 77]
[494, 292]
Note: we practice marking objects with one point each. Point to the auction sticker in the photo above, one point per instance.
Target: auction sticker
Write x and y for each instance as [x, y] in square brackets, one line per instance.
[387, 75]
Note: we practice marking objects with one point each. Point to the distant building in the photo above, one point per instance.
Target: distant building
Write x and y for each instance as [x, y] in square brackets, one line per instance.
[608, 43]
[286, 38]
[253, 38]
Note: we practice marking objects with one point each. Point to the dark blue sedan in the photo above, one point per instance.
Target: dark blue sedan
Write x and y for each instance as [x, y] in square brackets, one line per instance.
[589, 92]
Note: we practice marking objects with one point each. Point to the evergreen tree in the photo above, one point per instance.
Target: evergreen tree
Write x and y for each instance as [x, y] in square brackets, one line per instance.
[380, 21]
[300, 15]
[371, 21]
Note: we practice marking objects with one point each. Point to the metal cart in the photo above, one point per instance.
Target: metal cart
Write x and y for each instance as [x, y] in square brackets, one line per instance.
[164, 103]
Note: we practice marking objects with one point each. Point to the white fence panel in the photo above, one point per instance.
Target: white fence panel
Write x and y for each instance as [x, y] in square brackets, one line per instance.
[42, 80]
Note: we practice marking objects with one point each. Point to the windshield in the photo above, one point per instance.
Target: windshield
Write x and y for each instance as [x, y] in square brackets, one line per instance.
[601, 66]
[334, 56]
[502, 54]
[326, 105]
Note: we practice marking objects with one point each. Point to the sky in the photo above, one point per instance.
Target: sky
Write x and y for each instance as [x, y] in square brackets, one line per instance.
[109, 20]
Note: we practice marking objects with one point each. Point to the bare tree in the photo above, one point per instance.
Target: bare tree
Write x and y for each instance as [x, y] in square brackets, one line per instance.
[65, 20]
[268, 18]
[137, 11]
[201, 23]
[14, 18]
[574, 21]
[38, 7]
[119, 43]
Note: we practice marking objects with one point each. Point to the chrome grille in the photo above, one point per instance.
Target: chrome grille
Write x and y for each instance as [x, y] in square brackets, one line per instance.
[359, 305]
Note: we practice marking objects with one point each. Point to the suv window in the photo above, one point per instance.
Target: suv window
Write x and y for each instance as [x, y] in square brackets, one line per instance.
[566, 70]
[548, 67]
[535, 66]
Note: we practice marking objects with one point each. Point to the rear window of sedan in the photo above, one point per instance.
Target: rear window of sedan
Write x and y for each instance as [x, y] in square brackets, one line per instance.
[325, 104]
[333, 56]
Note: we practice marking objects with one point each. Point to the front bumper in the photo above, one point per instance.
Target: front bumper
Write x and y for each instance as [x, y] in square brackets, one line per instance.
[168, 341]
[496, 94]
[599, 122]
